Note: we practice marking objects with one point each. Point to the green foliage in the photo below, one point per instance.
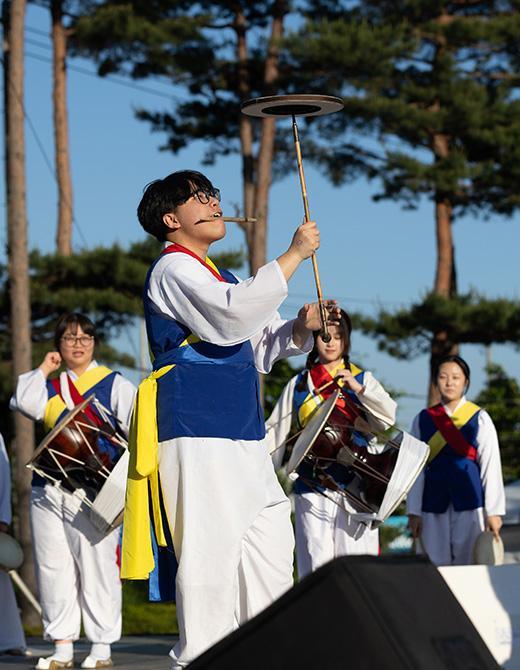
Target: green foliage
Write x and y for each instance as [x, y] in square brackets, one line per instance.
[141, 617]
[415, 75]
[193, 46]
[501, 398]
[275, 381]
[466, 319]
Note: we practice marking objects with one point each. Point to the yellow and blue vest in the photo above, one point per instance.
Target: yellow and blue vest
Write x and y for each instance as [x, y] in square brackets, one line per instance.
[98, 380]
[196, 389]
[450, 477]
[210, 390]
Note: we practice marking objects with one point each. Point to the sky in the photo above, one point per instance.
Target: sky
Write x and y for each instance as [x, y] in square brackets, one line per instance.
[372, 255]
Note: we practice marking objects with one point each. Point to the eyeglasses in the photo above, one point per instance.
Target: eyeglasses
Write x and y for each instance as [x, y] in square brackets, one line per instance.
[203, 195]
[72, 340]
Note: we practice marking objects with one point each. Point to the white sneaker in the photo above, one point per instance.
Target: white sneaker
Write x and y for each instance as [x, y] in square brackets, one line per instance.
[51, 663]
[93, 662]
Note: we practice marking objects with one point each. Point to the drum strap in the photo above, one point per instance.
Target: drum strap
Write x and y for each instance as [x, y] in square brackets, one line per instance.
[449, 430]
[83, 385]
[77, 399]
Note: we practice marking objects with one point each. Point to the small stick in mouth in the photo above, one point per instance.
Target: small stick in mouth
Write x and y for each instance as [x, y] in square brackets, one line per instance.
[231, 219]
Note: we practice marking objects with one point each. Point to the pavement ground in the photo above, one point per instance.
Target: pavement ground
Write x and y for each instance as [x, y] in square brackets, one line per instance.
[147, 651]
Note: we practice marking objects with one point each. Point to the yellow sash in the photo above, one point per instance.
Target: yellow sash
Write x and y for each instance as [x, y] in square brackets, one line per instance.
[313, 401]
[55, 406]
[137, 556]
[137, 560]
[459, 418]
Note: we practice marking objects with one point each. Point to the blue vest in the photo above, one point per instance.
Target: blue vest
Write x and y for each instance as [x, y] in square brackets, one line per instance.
[305, 469]
[450, 478]
[103, 392]
[213, 391]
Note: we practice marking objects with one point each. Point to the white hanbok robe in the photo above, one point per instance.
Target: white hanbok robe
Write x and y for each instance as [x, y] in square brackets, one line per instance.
[228, 515]
[76, 565]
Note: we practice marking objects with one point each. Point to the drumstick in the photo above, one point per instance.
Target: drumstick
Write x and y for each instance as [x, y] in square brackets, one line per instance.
[25, 590]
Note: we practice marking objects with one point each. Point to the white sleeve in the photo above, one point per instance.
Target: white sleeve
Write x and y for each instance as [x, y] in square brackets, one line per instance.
[415, 494]
[488, 457]
[218, 312]
[275, 341]
[5, 485]
[122, 401]
[31, 396]
[380, 405]
[278, 425]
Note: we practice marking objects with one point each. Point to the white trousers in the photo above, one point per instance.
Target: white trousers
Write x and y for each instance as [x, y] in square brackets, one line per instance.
[76, 569]
[233, 538]
[449, 538]
[324, 530]
[11, 631]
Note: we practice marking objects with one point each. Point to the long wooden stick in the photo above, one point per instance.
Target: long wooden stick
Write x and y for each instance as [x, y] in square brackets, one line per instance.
[325, 336]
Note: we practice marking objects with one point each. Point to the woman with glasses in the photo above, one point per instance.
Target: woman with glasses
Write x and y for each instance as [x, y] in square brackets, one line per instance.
[76, 565]
[324, 529]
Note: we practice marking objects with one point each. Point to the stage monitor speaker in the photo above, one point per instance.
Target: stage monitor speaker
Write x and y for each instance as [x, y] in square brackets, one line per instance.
[358, 613]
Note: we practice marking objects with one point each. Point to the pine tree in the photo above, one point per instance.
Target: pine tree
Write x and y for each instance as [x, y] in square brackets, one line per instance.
[218, 54]
[501, 398]
[431, 107]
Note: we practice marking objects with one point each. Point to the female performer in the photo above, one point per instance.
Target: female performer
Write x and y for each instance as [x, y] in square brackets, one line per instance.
[323, 526]
[461, 489]
[76, 565]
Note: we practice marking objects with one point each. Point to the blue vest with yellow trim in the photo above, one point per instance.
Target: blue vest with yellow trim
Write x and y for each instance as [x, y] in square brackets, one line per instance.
[102, 391]
[450, 478]
[212, 390]
[305, 469]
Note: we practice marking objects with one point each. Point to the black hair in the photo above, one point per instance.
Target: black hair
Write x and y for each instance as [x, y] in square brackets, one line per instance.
[453, 358]
[74, 319]
[345, 326]
[163, 195]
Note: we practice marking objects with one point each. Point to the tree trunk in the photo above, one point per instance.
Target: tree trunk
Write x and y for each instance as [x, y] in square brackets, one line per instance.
[246, 133]
[267, 137]
[18, 270]
[61, 131]
[445, 271]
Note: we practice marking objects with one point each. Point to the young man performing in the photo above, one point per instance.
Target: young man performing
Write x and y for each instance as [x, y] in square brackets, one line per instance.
[210, 335]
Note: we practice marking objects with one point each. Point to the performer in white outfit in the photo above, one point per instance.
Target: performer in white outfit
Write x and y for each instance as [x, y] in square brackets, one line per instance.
[12, 639]
[76, 565]
[210, 335]
[323, 526]
[461, 490]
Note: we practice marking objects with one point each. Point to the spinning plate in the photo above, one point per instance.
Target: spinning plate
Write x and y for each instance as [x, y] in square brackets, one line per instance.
[292, 105]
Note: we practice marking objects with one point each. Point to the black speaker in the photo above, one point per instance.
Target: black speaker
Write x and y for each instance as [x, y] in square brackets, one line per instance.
[358, 613]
